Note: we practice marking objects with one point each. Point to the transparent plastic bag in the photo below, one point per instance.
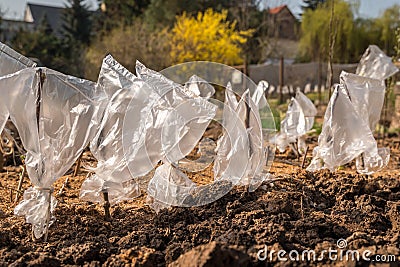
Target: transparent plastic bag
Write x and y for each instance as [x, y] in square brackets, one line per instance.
[66, 122]
[177, 122]
[367, 96]
[344, 136]
[240, 152]
[179, 119]
[376, 64]
[258, 96]
[233, 146]
[200, 87]
[112, 173]
[11, 61]
[298, 121]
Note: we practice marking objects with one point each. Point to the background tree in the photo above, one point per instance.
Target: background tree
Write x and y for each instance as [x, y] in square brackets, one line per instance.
[76, 35]
[314, 41]
[77, 22]
[112, 13]
[41, 44]
[208, 36]
[388, 23]
[161, 12]
[311, 4]
[249, 14]
[127, 44]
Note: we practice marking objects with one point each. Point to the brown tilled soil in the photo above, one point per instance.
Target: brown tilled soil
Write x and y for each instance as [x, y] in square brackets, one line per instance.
[297, 211]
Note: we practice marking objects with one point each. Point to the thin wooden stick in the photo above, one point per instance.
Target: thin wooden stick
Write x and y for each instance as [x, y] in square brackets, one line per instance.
[78, 165]
[21, 180]
[106, 206]
[304, 158]
[64, 185]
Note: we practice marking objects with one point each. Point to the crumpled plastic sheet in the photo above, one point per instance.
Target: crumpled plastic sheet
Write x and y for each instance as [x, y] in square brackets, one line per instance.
[66, 123]
[352, 115]
[346, 132]
[367, 95]
[232, 149]
[298, 121]
[376, 64]
[200, 87]
[11, 61]
[241, 154]
[177, 122]
[112, 174]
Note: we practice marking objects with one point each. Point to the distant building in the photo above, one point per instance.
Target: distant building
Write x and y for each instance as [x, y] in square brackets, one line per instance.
[9, 28]
[282, 23]
[36, 14]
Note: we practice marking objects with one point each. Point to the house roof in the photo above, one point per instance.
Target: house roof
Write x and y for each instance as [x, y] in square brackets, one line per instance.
[277, 9]
[54, 16]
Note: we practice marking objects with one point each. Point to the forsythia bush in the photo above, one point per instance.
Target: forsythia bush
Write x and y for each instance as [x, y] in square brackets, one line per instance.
[207, 36]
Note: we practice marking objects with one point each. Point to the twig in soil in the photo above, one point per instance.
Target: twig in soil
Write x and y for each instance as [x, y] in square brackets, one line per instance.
[106, 206]
[21, 180]
[286, 162]
[304, 158]
[64, 185]
[78, 165]
[301, 203]
[11, 189]
[301, 206]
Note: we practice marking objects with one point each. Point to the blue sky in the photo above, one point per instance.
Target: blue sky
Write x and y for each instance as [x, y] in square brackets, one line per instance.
[368, 8]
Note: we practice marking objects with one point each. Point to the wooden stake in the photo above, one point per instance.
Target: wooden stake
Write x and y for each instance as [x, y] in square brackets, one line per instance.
[106, 206]
[304, 158]
[78, 165]
[21, 180]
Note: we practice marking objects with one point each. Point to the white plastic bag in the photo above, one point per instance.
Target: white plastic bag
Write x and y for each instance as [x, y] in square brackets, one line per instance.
[179, 120]
[345, 135]
[11, 61]
[298, 121]
[240, 151]
[112, 173]
[200, 87]
[376, 64]
[66, 122]
[232, 156]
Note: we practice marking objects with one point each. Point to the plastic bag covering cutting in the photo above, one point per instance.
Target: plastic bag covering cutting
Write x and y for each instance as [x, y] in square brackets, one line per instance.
[240, 154]
[376, 64]
[367, 96]
[200, 87]
[232, 156]
[169, 186]
[258, 96]
[54, 139]
[11, 61]
[298, 121]
[345, 135]
[178, 120]
[112, 174]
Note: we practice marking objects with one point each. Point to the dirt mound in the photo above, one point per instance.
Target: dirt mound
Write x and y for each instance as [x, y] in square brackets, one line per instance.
[297, 211]
[212, 255]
